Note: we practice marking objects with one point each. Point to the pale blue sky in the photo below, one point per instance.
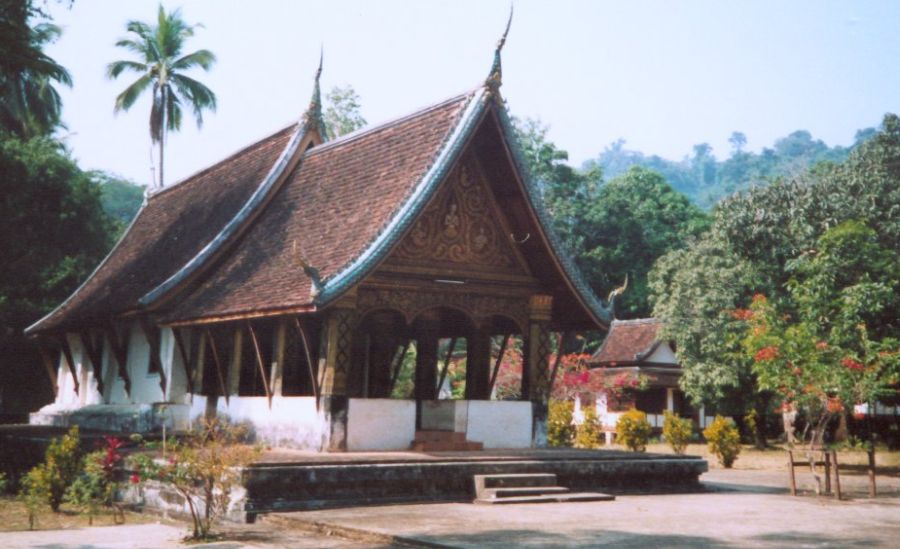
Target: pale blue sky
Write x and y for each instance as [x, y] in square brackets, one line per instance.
[663, 75]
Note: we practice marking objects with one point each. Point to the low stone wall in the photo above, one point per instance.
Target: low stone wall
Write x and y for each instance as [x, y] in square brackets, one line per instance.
[309, 486]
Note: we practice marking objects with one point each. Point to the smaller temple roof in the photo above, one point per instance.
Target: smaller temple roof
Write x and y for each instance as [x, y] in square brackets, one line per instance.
[629, 343]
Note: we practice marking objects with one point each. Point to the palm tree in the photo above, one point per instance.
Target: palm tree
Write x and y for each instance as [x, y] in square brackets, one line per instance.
[161, 66]
[29, 104]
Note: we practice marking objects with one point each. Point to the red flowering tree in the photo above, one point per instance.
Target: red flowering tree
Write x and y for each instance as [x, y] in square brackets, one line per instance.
[819, 378]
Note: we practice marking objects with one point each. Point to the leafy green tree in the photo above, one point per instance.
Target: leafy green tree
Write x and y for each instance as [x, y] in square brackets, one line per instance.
[121, 198]
[738, 141]
[30, 104]
[695, 291]
[53, 232]
[635, 219]
[342, 112]
[761, 240]
[161, 65]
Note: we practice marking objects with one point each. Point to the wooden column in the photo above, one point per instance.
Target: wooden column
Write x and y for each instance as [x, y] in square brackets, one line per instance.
[335, 363]
[427, 334]
[277, 375]
[233, 380]
[382, 348]
[537, 366]
[478, 362]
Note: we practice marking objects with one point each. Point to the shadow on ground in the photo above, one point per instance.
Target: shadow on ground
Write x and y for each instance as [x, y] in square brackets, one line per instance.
[605, 537]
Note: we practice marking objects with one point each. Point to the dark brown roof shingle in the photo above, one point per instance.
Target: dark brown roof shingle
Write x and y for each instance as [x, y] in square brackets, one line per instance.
[171, 228]
[335, 203]
[628, 342]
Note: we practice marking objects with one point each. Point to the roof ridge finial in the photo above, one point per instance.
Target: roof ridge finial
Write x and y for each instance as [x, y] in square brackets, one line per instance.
[313, 116]
[495, 78]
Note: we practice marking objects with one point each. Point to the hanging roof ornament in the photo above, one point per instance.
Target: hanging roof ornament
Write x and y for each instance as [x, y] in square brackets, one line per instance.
[313, 118]
[495, 78]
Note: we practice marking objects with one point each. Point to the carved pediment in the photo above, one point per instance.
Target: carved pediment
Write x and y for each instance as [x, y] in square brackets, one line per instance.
[462, 228]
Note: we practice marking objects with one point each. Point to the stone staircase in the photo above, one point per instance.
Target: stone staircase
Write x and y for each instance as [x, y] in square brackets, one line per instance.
[528, 488]
[443, 441]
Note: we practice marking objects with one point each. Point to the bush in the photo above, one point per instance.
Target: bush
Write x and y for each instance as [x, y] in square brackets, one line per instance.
[88, 491]
[560, 431]
[677, 431]
[3, 482]
[633, 430]
[590, 433]
[204, 467]
[724, 440]
[96, 485]
[50, 479]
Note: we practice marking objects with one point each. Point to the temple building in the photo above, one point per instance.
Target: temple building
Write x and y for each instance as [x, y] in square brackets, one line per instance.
[287, 285]
[634, 348]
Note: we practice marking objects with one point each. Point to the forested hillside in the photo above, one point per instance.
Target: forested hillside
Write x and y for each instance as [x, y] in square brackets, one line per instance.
[705, 179]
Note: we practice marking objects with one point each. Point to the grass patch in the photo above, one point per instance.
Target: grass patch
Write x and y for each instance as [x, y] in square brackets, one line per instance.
[14, 517]
[774, 458]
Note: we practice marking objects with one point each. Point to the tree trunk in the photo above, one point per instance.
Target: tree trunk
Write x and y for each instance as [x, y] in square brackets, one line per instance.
[760, 407]
[162, 139]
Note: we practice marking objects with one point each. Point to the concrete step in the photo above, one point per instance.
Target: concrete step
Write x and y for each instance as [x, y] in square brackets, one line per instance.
[521, 491]
[548, 498]
[439, 436]
[514, 480]
[446, 446]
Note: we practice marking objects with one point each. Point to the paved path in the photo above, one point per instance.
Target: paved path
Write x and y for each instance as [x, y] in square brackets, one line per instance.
[165, 536]
[748, 509]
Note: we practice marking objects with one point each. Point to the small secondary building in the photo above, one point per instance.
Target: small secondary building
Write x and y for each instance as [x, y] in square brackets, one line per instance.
[283, 287]
[634, 348]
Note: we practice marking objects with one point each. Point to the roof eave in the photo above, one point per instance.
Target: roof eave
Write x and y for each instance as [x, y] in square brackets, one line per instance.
[602, 315]
[35, 329]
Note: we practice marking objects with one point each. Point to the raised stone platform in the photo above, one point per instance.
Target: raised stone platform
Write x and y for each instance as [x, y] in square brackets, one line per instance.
[292, 480]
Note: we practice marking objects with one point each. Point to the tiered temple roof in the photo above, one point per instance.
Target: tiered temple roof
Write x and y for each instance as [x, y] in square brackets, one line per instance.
[291, 223]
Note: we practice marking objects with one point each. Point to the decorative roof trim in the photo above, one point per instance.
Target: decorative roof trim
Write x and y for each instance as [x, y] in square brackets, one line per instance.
[602, 314]
[31, 330]
[381, 245]
[260, 196]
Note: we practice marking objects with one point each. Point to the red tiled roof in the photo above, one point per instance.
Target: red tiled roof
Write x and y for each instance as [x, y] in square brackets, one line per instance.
[170, 229]
[337, 201]
[629, 342]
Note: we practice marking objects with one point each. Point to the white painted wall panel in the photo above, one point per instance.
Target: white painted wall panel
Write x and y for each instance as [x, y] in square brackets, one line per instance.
[380, 424]
[499, 423]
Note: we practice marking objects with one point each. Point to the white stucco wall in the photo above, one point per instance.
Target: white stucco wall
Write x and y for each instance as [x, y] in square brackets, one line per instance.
[380, 424]
[144, 385]
[499, 423]
[292, 422]
[663, 355]
[66, 397]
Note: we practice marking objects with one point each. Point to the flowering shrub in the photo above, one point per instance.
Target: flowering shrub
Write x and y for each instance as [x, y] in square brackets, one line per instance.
[677, 431]
[204, 468]
[633, 430]
[724, 440]
[96, 484]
